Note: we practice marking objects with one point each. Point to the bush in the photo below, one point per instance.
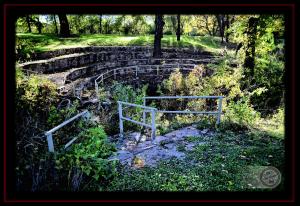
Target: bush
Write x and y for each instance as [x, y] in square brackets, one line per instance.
[127, 93]
[242, 112]
[89, 155]
[24, 49]
[35, 93]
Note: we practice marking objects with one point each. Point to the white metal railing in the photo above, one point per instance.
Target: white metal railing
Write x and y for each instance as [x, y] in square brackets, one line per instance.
[218, 113]
[28, 72]
[113, 72]
[152, 110]
[50, 132]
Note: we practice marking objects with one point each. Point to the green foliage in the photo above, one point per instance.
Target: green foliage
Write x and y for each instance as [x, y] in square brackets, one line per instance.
[242, 112]
[90, 155]
[34, 94]
[205, 123]
[269, 58]
[273, 124]
[24, 49]
[127, 93]
[57, 116]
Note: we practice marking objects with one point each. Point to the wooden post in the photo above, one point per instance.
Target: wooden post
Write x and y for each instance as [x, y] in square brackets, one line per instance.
[120, 119]
[50, 142]
[153, 128]
[219, 110]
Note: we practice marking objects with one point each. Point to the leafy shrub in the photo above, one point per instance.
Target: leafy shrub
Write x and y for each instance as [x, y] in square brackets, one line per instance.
[127, 93]
[90, 155]
[57, 116]
[24, 49]
[242, 112]
[35, 94]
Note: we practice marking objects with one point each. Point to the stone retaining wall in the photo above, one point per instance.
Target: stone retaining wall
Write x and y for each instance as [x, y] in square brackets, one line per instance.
[61, 60]
[135, 51]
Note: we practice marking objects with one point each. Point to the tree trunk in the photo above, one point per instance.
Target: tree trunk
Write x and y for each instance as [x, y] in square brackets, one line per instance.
[39, 25]
[174, 23]
[207, 27]
[249, 62]
[28, 23]
[100, 24]
[64, 25]
[55, 23]
[178, 28]
[221, 24]
[227, 24]
[159, 25]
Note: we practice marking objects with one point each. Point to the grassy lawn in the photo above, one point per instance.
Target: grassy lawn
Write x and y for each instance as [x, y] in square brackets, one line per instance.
[48, 42]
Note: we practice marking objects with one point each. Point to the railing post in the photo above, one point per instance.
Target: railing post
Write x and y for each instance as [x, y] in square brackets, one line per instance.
[97, 89]
[153, 127]
[144, 113]
[102, 79]
[136, 71]
[114, 74]
[120, 119]
[157, 70]
[219, 110]
[74, 90]
[50, 142]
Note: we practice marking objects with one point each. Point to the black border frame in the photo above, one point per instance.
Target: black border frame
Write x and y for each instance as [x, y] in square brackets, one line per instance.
[10, 11]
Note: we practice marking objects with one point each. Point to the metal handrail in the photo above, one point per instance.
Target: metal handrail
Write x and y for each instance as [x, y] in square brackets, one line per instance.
[136, 72]
[183, 97]
[146, 109]
[218, 113]
[48, 134]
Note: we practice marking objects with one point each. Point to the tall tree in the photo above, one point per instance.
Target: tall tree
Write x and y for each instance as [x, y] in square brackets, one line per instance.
[251, 33]
[178, 28]
[227, 25]
[28, 23]
[100, 23]
[159, 25]
[38, 24]
[221, 25]
[64, 25]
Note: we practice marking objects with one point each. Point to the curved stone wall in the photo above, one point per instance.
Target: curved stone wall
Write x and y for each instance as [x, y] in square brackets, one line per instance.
[61, 60]
[83, 65]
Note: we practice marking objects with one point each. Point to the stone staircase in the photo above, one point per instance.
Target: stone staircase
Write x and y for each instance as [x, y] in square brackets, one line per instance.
[69, 68]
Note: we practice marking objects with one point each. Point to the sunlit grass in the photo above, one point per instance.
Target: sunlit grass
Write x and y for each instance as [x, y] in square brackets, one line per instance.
[46, 42]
